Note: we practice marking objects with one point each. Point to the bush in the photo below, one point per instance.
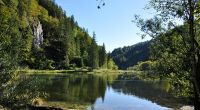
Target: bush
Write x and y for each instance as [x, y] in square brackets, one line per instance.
[144, 66]
[78, 61]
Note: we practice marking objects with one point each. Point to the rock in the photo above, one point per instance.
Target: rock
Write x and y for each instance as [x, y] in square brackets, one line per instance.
[1, 107]
[38, 34]
[187, 108]
[37, 102]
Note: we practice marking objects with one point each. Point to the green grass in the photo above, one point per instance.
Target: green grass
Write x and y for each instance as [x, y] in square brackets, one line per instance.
[95, 71]
[44, 71]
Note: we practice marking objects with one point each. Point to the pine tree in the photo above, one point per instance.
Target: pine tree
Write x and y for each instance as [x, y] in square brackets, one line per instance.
[93, 53]
[102, 57]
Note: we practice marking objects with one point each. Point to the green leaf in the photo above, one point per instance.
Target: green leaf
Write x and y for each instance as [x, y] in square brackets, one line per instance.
[1, 2]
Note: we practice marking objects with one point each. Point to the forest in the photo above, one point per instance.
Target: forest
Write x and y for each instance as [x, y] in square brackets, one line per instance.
[39, 35]
[174, 48]
[130, 55]
[174, 52]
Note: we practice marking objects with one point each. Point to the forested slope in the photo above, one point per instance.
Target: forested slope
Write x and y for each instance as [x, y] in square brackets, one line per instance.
[131, 55]
[38, 34]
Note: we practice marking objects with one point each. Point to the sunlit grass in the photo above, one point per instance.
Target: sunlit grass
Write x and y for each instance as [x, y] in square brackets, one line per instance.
[95, 71]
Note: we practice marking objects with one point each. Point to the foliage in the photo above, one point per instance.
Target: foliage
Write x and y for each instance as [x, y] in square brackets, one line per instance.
[176, 48]
[94, 56]
[144, 66]
[102, 57]
[131, 55]
[110, 63]
[63, 44]
[10, 41]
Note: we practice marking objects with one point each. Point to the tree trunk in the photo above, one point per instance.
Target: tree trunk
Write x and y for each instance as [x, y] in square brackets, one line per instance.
[195, 62]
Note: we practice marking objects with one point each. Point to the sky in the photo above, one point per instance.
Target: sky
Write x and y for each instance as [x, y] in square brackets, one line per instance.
[112, 23]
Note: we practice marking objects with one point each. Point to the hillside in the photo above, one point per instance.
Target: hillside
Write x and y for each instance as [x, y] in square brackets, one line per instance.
[131, 55]
[38, 34]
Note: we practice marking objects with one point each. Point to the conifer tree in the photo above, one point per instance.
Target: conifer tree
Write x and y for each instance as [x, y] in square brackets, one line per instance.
[93, 53]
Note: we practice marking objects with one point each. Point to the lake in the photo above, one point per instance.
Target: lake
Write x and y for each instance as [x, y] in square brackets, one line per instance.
[84, 91]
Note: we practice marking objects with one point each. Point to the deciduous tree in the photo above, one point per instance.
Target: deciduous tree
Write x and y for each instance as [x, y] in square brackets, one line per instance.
[169, 11]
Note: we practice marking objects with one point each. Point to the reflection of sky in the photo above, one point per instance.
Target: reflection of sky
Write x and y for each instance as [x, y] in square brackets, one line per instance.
[119, 101]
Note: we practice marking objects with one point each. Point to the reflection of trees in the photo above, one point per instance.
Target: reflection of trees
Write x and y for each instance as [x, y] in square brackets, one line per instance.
[154, 92]
[80, 88]
[21, 91]
[73, 88]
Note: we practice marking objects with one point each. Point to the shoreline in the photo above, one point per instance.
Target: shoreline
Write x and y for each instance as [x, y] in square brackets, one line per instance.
[95, 71]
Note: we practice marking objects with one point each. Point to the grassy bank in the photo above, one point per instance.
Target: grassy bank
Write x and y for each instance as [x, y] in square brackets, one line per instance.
[139, 75]
[95, 71]
[127, 74]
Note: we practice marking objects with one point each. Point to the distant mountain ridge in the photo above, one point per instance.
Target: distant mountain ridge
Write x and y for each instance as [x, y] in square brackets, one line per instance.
[131, 55]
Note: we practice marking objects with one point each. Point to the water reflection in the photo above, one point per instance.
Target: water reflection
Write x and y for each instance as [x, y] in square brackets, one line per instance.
[21, 91]
[73, 88]
[151, 91]
[119, 101]
[94, 92]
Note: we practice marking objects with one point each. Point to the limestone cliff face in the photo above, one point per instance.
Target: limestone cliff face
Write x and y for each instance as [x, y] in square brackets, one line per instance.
[38, 34]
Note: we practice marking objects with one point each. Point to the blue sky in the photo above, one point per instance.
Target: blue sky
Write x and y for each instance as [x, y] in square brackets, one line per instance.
[112, 23]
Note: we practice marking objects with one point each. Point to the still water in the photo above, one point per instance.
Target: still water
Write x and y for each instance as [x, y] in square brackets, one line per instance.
[97, 92]
[120, 101]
